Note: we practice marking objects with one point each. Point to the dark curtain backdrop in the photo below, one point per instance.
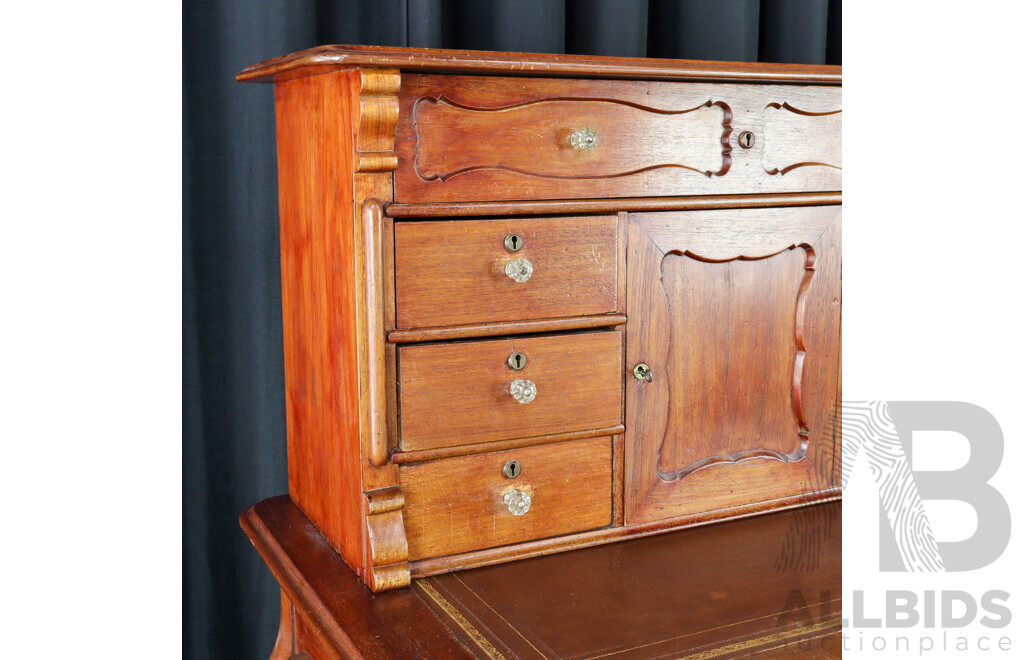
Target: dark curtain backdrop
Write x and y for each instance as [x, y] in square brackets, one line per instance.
[233, 374]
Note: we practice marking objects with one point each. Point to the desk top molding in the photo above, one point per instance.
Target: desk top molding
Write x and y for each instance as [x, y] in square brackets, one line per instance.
[325, 59]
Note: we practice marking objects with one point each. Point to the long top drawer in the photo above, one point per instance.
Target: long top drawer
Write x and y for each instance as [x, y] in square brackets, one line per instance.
[479, 138]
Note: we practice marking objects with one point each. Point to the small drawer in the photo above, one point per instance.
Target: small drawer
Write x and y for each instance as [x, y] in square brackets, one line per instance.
[461, 504]
[485, 138]
[463, 393]
[462, 272]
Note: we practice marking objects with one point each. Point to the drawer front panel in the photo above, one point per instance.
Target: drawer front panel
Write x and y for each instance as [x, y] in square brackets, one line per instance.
[459, 504]
[461, 393]
[474, 138]
[457, 272]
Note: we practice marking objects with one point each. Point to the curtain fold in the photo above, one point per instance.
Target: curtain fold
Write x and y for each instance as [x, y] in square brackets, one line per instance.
[793, 31]
[608, 27]
[699, 30]
[233, 377]
[525, 25]
[233, 374]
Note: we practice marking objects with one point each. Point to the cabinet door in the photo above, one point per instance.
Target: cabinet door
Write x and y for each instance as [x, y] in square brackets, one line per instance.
[737, 315]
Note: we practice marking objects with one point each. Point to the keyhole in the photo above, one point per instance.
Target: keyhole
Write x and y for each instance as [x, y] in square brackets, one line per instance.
[513, 242]
[517, 361]
[746, 139]
[512, 469]
[642, 373]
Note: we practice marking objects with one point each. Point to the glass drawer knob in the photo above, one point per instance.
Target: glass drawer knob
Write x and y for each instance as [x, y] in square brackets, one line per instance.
[517, 502]
[523, 391]
[519, 269]
[584, 139]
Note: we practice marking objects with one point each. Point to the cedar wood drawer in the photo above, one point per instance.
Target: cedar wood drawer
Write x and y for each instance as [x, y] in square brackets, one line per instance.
[457, 504]
[457, 393]
[476, 138]
[452, 272]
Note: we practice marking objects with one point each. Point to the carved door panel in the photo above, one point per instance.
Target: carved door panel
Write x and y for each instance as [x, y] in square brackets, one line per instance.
[737, 315]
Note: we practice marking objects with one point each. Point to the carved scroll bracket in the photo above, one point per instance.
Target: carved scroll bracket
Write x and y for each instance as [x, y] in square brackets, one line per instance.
[385, 532]
[378, 116]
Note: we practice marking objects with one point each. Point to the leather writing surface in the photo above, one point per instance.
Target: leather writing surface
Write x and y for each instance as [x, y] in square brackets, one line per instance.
[741, 587]
[766, 586]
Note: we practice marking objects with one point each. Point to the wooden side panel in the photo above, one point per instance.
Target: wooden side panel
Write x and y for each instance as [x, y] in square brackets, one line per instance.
[466, 138]
[459, 393]
[319, 287]
[457, 504]
[453, 273]
[741, 333]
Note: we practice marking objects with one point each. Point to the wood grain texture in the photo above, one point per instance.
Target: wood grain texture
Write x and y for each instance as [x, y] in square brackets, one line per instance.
[620, 276]
[378, 113]
[373, 94]
[388, 317]
[453, 273]
[320, 284]
[463, 138]
[618, 458]
[373, 279]
[285, 645]
[824, 131]
[323, 59]
[510, 327]
[336, 615]
[737, 311]
[533, 138]
[456, 505]
[389, 551]
[418, 456]
[612, 205]
[618, 599]
[741, 333]
[334, 134]
[313, 644]
[544, 547]
[729, 599]
[458, 393]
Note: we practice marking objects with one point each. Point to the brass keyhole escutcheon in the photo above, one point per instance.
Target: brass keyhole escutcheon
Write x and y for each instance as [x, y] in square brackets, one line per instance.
[642, 372]
[746, 139]
[514, 242]
[512, 469]
[517, 361]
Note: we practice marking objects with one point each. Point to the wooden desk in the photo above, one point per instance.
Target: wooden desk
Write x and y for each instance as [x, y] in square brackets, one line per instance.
[768, 586]
[545, 302]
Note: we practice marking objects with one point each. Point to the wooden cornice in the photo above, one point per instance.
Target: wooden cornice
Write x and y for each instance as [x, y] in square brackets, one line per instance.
[324, 59]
